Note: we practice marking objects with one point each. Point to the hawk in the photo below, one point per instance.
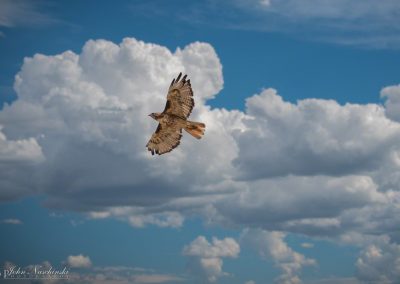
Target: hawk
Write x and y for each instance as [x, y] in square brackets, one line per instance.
[174, 118]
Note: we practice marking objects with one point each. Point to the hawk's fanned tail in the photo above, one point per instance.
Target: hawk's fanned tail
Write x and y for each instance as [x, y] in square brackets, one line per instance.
[196, 129]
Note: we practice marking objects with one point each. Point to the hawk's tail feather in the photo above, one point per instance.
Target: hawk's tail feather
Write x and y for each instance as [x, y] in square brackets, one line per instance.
[196, 129]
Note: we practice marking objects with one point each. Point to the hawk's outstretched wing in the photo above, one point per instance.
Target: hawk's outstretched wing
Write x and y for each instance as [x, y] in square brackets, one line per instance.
[180, 98]
[164, 139]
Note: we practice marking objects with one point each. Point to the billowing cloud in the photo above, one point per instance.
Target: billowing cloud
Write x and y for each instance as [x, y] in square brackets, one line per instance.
[271, 245]
[392, 103]
[19, 150]
[332, 139]
[18, 160]
[93, 108]
[309, 205]
[77, 132]
[379, 263]
[205, 259]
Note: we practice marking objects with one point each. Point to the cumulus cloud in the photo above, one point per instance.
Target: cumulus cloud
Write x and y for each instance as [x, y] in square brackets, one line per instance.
[333, 139]
[19, 150]
[77, 130]
[18, 160]
[379, 263]
[392, 103]
[315, 206]
[93, 107]
[205, 259]
[78, 261]
[271, 245]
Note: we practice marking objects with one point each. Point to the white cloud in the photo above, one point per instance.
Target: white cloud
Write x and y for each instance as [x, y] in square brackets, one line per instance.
[379, 263]
[12, 221]
[333, 139]
[205, 259]
[271, 245]
[227, 247]
[76, 133]
[18, 160]
[392, 103]
[19, 150]
[78, 261]
[307, 205]
[94, 107]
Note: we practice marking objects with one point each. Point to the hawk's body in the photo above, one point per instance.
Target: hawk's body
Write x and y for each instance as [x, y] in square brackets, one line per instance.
[174, 118]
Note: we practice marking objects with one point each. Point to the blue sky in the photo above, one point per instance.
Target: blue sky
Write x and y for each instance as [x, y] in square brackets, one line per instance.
[296, 180]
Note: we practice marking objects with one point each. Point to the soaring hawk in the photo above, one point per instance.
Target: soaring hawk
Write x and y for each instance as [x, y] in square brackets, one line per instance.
[174, 118]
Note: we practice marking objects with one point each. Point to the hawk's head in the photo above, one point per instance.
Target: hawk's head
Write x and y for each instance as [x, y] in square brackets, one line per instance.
[155, 115]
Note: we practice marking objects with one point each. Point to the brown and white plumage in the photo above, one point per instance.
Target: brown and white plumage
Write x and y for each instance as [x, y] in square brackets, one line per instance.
[180, 100]
[173, 119]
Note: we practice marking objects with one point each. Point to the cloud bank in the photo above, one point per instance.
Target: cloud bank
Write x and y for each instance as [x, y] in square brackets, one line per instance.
[78, 129]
